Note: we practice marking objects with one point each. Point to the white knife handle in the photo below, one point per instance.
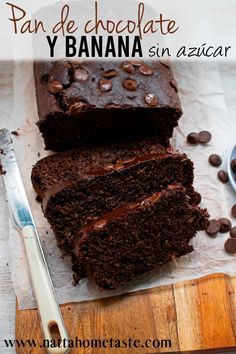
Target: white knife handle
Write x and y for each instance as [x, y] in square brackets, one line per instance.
[44, 292]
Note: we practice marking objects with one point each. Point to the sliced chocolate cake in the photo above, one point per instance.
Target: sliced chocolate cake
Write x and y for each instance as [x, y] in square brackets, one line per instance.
[122, 204]
[109, 171]
[119, 190]
[83, 102]
[138, 237]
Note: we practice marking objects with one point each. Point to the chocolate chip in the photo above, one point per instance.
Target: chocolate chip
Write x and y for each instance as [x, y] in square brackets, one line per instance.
[128, 67]
[193, 138]
[197, 198]
[128, 161]
[79, 106]
[112, 106]
[136, 62]
[145, 70]
[14, 132]
[233, 232]
[225, 225]
[105, 85]
[81, 75]
[230, 245]
[233, 165]
[223, 176]
[55, 87]
[109, 74]
[100, 224]
[233, 211]
[204, 137]
[173, 84]
[213, 227]
[130, 84]
[215, 160]
[151, 99]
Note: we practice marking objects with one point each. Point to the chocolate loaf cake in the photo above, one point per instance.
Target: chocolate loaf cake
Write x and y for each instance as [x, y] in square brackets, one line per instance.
[122, 204]
[138, 237]
[85, 102]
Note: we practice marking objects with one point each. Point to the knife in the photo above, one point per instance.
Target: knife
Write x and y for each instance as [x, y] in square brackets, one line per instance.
[22, 219]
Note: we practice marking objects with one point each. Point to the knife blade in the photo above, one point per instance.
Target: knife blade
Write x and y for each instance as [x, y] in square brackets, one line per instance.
[22, 220]
[18, 203]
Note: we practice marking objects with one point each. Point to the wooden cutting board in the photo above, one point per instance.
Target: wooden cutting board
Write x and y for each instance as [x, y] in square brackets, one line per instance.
[196, 315]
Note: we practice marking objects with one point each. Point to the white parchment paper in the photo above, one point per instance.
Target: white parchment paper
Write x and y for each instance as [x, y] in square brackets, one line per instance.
[204, 108]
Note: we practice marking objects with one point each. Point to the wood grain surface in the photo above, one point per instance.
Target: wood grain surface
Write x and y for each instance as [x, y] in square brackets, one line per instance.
[197, 316]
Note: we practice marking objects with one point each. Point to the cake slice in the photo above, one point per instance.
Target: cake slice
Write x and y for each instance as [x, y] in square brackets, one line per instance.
[83, 102]
[138, 237]
[112, 170]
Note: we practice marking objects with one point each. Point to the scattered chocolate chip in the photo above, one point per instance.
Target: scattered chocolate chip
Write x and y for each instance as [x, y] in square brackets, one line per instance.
[2, 172]
[233, 211]
[230, 245]
[109, 74]
[215, 160]
[105, 85]
[213, 227]
[151, 99]
[14, 132]
[197, 198]
[130, 84]
[136, 62]
[223, 176]
[173, 84]
[233, 232]
[38, 154]
[55, 87]
[128, 67]
[81, 75]
[193, 138]
[233, 165]
[225, 225]
[204, 137]
[145, 70]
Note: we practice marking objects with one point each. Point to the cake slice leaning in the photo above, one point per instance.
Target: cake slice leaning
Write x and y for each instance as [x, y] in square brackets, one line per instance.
[138, 237]
[109, 170]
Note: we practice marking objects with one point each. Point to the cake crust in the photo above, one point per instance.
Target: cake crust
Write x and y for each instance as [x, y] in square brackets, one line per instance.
[84, 102]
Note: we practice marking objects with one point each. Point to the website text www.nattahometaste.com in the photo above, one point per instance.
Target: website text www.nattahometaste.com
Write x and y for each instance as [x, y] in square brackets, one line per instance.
[106, 343]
